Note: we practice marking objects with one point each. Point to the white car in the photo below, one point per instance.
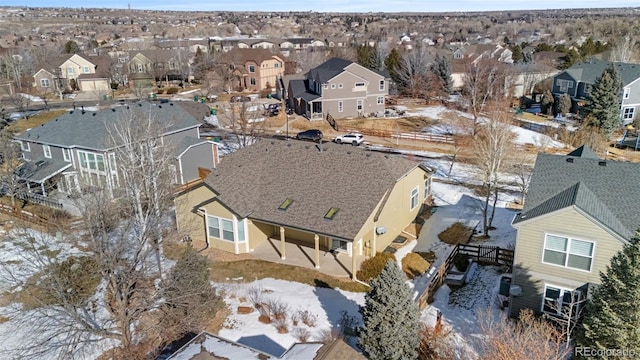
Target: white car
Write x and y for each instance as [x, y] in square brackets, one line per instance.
[352, 138]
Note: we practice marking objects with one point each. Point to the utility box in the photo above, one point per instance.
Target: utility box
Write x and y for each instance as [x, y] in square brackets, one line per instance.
[505, 285]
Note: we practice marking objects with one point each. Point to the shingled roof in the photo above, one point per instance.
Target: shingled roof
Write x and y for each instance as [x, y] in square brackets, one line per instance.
[329, 69]
[254, 181]
[90, 129]
[605, 190]
[589, 71]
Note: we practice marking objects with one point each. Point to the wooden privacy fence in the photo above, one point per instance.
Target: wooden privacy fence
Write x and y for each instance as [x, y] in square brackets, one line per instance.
[57, 223]
[482, 254]
[447, 139]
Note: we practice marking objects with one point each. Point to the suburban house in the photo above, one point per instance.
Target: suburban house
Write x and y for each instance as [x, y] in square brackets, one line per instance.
[77, 147]
[147, 67]
[340, 88]
[209, 346]
[255, 69]
[578, 213]
[325, 197]
[73, 72]
[579, 78]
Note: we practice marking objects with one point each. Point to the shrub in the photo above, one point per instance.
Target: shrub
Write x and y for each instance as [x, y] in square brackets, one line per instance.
[172, 90]
[160, 91]
[278, 308]
[461, 261]
[282, 326]
[307, 317]
[254, 293]
[301, 334]
[457, 233]
[372, 267]
[414, 265]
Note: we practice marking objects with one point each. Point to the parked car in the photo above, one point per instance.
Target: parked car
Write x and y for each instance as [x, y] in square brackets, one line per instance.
[238, 98]
[313, 135]
[352, 138]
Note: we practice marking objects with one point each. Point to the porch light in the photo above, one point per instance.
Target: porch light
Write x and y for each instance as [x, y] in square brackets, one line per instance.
[285, 204]
[331, 213]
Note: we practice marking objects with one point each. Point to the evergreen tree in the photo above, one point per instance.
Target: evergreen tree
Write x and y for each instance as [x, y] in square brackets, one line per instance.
[603, 108]
[375, 62]
[392, 64]
[612, 317]
[564, 104]
[391, 318]
[364, 55]
[516, 53]
[547, 102]
[71, 47]
[442, 68]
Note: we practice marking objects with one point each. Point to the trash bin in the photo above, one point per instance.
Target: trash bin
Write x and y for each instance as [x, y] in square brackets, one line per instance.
[214, 111]
[153, 96]
[268, 96]
[505, 285]
[203, 100]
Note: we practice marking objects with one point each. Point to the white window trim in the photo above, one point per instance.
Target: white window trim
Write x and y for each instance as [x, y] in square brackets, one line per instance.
[562, 291]
[44, 83]
[333, 86]
[359, 105]
[340, 86]
[66, 154]
[86, 70]
[340, 106]
[252, 68]
[70, 71]
[566, 260]
[381, 85]
[359, 84]
[234, 229]
[325, 86]
[380, 100]
[427, 187]
[46, 150]
[417, 196]
[626, 93]
[24, 146]
[630, 114]
[95, 157]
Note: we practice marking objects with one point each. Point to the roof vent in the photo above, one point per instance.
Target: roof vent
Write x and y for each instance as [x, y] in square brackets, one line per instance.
[289, 144]
[171, 104]
[71, 112]
[569, 160]
[349, 152]
[94, 114]
[113, 109]
[127, 107]
[602, 163]
[139, 104]
[160, 106]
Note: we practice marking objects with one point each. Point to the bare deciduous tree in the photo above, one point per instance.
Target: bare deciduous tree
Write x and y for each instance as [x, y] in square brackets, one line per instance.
[10, 161]
[493, 149]
[625, 50]
[527, 338]
[483, 82]
[246, 120]
[413, 72]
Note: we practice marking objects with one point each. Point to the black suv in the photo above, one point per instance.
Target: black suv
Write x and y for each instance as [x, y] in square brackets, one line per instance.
[313, 135]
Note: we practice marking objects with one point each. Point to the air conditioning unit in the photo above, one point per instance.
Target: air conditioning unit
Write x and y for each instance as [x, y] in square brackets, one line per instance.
[381, 230]
[515, 290]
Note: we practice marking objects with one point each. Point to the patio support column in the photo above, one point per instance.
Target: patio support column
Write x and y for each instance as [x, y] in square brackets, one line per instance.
[353, 260]
[282, 244]
[316, 238]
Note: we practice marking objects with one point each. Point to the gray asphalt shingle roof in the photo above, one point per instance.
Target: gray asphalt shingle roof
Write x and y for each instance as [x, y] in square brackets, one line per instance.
[329, 69]
[254, 181]
[90, 129]
[41, 170]
[605, 190]
[589, 71]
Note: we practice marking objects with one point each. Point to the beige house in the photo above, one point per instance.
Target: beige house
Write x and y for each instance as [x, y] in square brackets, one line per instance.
[327, 197]
[340, 88]
[147, 67]
[579, 212]
[75, 72]
[256, 69]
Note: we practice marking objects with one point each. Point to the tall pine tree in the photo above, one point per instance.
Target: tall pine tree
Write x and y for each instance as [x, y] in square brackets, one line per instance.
[612, 317]
[391, 318]
[442, 68]
[603, 108]
[392, 64]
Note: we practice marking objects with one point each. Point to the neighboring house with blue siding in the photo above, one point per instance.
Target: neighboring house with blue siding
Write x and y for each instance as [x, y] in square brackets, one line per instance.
[578, 80]
[77, 147]
[579, 212]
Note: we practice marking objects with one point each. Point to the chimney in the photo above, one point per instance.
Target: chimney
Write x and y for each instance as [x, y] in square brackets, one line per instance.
[602, 163]
[569, 160]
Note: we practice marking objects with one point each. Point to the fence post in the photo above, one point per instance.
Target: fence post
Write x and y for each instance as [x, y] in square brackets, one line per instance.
[498, 255]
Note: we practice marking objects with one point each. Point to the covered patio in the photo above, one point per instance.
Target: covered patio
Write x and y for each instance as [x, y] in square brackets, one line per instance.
[330, 262]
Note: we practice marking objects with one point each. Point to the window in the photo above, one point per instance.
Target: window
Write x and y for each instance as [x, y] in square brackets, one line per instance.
[70, 70]
[86, 69]
[112, 161]
[91, 161]
[122, 60]
[46, 150]
[626, 93]
[358, 84]
[24, 146]
[339, 245]
[340, 86]
[331, 213]
[44, 83]
[140, 68]
[359, 104]
[241, 235]
[567, 252]
[340, 106]
[276, 65]
[627, 113]
[66, 154]
[380, 100]
[325, 86]
[414, 198]
[427, 187]
[381, 86]
[220, 228]
[333, 86]
[252, 81]
[561, 302]
[564, 85]
[252, 68]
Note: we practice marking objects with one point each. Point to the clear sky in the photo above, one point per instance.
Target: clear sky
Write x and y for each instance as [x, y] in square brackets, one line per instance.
[329, 5]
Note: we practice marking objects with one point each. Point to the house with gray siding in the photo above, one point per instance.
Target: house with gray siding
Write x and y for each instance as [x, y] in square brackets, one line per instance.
[579, 212]
[340, 88]
[77, 147]
[578, 80]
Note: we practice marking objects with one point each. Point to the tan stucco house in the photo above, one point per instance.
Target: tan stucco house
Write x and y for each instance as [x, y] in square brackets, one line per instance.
[324, 196]
[579, 212]
[73, 72]
[256, 69]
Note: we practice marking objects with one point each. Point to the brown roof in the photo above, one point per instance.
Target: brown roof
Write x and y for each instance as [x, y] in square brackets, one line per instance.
[254, 181]
[255, 55]
[338, 349]
[156, 56]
